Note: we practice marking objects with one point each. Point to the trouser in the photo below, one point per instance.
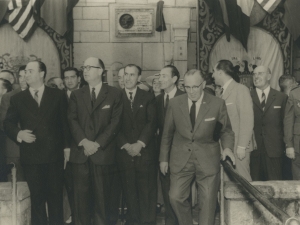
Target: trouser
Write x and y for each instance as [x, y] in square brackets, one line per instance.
[207, 187]
[92, 185]
[68, 181]
[296, 166]
[45, 182]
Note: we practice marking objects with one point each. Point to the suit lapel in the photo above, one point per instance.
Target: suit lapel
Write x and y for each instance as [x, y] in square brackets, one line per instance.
[184, 106]
[31, 104]
[87, 98]
[270, 99]
[204, 107]
[101, 96]
[228, 90]
[256, 99]
[44, 105]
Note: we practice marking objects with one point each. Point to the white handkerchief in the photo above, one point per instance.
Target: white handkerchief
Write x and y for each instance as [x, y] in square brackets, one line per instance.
[141, 106]
[106, 107]
[277, 107]
[229, 103]
[210, 119]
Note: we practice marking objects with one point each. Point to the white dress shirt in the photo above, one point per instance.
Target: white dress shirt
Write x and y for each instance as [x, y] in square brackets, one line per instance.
[266, 91]
[198, 103]
[171, 94]
[40, 92]
[133, 93]
[97, 89]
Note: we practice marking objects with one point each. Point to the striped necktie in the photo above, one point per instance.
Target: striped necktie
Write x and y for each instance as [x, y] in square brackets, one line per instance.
[263, 101]
[93, 97]
[36, 96]
[131, 100]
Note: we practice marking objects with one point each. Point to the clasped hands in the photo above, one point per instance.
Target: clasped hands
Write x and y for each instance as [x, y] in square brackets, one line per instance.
[133, 149]
[90, 147]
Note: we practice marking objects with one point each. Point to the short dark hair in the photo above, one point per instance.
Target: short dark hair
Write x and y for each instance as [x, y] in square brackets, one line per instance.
[282, 81]
[209, 79]
[193, 71]
[227, 67]
[136, 66]
[101, 64]
[23, 67]
[70, 69]
[174, 71]
[6, 84]
[42, 67]
[51, 82]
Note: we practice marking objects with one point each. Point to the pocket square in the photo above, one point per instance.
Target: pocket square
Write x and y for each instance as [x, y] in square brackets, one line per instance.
[210, 119]
[230, 103]
[106, 107]
[141, 106]
[277, 107]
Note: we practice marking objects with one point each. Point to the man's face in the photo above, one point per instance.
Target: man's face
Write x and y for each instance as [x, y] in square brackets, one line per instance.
[33, 74]
[22, 80]
[71, 80]
[131, 77]
[261, 77]
[95, 73]
[59, 83]
[156, 85]
[121, 78]
[2, 89]
[165, 78]
[216, 75]
[7, 76]
[194, 85]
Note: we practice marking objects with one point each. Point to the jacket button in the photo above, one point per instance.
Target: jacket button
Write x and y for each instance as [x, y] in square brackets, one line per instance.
[189, 150]
[192, 140]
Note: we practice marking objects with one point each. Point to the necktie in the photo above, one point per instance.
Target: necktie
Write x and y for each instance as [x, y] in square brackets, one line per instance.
[263, 101]
[36, 96]
[221, 93]
[193, 113]
[166, 103]
[131, 100]
[93, 97]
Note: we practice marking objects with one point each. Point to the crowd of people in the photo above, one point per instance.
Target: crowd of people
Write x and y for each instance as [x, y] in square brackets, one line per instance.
[95, 141]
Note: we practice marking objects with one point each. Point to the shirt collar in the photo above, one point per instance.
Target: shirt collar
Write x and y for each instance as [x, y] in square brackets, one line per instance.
[225, 86]
[171, 93]
[97, 88]
[266, 91]
[40, 89]
[133, 92]
[199, 100]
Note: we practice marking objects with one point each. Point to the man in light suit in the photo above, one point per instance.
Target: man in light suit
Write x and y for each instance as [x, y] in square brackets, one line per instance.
[94, 118]
[188, 146]
[168, 78]
[137, 155]
[12, 149]
[292, 131]
[37, 119]
[240, 111]
[269, 105]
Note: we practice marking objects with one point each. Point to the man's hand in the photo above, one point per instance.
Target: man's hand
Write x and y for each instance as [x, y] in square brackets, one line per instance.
[229, 153]
[136, 149]
[290, 153]
[241, 153]
[90, 147]
[27, 136]
[164, 167]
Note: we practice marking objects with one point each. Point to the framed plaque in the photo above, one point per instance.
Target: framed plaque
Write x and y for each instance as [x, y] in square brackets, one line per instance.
[134, 22]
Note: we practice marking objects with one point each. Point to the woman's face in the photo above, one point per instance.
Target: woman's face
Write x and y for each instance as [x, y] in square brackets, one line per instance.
[156, 85]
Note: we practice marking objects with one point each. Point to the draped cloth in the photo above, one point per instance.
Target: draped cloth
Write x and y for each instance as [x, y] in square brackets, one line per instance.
[263, 49]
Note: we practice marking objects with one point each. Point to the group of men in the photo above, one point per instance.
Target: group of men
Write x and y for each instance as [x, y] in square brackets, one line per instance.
[104, 133]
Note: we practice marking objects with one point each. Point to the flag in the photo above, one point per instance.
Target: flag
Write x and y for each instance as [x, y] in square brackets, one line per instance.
[3, 8]
[291, 17]
[235, 17]
[160, 20]
[22, 17]
[269, 5]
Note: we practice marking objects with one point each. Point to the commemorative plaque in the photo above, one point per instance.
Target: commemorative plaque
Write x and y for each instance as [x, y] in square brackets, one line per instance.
[134, 22]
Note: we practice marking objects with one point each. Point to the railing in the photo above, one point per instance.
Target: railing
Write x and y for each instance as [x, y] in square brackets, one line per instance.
[272, 208]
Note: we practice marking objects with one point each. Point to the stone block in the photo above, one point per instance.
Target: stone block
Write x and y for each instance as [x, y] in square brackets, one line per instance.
[177, 15]
[193, 27]
[108, 52]
[76, 37]
[180, 50]
[194, 14]
[94, 37]
[166, 35]
[132, 1]
[99, 2]
[191, 56]
[92, 13]
[87, 25]
[77, 13]
[105, 25]
[153, 55]
[182, 67]
[193, 37]
[166, 2]
[187, 3]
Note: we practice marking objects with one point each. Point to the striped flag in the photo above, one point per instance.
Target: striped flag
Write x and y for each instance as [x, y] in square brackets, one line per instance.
[269, 5]
[22, 17]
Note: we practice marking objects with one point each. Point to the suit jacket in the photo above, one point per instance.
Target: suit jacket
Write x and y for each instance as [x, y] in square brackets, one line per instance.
[292, 120]
[139, 124]
[12, 148]
[100, 123]
[160, 107]
[240, 110]
[47, 122]
[180, 139]
[268, 124]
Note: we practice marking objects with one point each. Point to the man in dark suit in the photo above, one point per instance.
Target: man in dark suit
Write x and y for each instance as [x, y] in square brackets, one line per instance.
[137, 156]
[94, 118]
[12, 150]
[188, 145]
[42, 115]
[168, 78]
[269, 106]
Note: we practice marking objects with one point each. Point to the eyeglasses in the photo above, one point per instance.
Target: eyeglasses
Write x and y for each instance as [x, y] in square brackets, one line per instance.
[89, 67]
[193, 88]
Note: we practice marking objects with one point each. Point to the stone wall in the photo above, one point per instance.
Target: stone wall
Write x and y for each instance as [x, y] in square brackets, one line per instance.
[93, 36]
